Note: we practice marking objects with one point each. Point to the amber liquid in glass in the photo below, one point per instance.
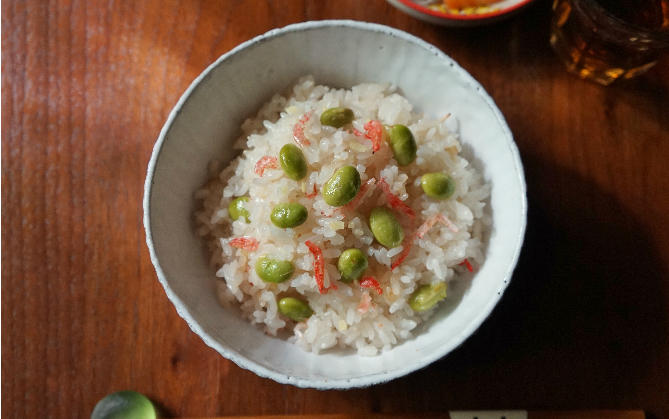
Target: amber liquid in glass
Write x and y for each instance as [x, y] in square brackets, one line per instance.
[609, 39]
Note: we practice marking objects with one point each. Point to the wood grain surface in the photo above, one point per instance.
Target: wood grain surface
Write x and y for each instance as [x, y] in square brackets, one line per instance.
[86, 87]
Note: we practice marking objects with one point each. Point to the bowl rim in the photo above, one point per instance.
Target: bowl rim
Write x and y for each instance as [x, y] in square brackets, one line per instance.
[321, 383]
[454, 16]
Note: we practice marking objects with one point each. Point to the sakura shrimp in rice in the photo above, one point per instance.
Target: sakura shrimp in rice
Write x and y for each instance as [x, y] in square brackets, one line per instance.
[338, 301]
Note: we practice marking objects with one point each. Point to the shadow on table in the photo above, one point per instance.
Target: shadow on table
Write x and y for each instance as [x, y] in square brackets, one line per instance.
[517, 42]
[580, 324]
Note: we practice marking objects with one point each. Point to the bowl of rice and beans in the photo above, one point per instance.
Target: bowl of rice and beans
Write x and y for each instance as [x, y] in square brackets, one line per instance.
[332, 221]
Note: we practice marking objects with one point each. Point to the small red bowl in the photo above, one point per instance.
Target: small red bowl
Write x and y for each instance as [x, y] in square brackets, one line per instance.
[493, 13]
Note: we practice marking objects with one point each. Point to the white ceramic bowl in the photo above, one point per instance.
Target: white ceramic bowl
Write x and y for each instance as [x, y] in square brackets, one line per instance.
[496, 12]
[207, 118]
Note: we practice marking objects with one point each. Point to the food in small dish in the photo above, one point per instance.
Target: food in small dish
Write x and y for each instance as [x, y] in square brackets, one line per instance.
[460, 12]
[465, 7]
[344, 218]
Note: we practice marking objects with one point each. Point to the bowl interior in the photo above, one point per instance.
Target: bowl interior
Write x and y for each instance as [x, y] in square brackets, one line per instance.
[206, 121]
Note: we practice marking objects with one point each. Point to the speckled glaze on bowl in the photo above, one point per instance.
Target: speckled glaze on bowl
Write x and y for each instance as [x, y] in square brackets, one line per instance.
[205, 122]
[500, 11]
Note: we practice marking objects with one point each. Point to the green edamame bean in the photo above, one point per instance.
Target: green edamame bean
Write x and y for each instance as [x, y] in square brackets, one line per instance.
[385, 227]
[295, 309]
[236, 208]
[437, 185]
[124, 404]
[402, 143]
[337, 117]
[288, 215]
[351, 264]
[292, 161]
[342, 186]
[273, 270]
[427, 296]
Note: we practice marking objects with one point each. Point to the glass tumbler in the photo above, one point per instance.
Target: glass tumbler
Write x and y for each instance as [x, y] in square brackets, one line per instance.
[606, 40]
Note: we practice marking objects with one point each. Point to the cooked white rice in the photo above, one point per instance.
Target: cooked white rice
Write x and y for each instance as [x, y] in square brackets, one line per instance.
[340, 318]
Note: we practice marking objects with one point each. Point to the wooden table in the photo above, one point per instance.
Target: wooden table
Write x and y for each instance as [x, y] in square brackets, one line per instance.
[86, 87]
